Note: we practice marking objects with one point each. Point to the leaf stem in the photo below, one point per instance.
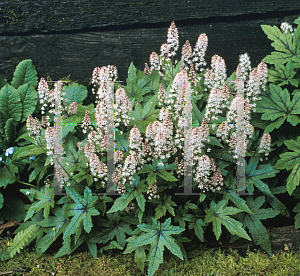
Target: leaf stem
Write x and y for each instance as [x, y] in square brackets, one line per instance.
[16, 179]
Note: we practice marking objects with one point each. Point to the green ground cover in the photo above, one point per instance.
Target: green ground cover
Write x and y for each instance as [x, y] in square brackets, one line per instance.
[205, 261]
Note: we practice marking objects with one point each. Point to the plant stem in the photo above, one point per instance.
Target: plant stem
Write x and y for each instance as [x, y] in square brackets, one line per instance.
[16, 180]
[59, 164]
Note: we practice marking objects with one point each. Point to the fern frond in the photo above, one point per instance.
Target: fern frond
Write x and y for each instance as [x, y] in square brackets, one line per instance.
[21, 239]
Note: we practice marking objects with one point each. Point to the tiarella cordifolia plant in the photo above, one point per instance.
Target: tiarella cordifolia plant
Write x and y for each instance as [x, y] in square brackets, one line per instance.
[43, 133]
[214, 78]
[153, 158]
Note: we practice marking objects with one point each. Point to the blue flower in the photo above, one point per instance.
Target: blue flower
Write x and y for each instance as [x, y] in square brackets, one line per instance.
[9, 151]
[28, 192]
[1, 159]
[32, 158]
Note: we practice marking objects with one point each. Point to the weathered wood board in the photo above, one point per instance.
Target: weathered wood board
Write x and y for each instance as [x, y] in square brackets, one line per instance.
[74, 37]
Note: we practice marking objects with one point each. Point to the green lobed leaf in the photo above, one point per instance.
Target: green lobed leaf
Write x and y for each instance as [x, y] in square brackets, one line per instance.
[288, 161]
[218, 215]
[140, 199]
[197, 226]
[237, 200]
[165, 204]
[282, 74]
[45, 199]
[258, 232]
[158, 236]
[283, 44]
[82, 211]
[121, 203]
[21, 239]
[59, 223]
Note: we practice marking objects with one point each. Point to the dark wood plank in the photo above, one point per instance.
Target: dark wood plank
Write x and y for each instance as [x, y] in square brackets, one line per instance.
[21, 16]
[79, 53]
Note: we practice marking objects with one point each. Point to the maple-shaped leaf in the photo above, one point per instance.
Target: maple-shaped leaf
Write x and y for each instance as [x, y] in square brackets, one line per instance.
[276, 106]
[254, 175]
[290, 161]
[46, 200]
[121, 203]
[218, 215]
[82, 212]
[134, 191]
[275, 202]
[154, 170]
[286, 45]
[197, 226]
[237, 200]
[139, 254]
[165, 203]
[283, 75]
[182, 216]
[258, 232]
[115, 228]
[57, 225]
[158, 235]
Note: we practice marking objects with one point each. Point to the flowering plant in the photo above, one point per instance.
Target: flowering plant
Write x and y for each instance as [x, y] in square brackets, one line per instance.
[161, 143]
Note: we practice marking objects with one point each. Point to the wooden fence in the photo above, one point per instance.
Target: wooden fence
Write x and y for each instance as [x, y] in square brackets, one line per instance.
[74, 37]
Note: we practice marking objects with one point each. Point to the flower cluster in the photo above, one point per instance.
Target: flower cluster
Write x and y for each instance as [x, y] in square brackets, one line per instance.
[72, 108]
[153, 191]
[46, 96]
[199, 52]
[187, 54]
[205, 167]
[159, 142]
[101, 76]
[8, 152]
[244, 67]
[287, 28]
[265, 145]
[168, 51]
[34, 127]
[173, 40]
[257, 81]
[93, 145]
[217, 75]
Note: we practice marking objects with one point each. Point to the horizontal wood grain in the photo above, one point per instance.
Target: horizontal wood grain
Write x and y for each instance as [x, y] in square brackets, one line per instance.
[27, 15]
[74, 37]
[79, 53]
